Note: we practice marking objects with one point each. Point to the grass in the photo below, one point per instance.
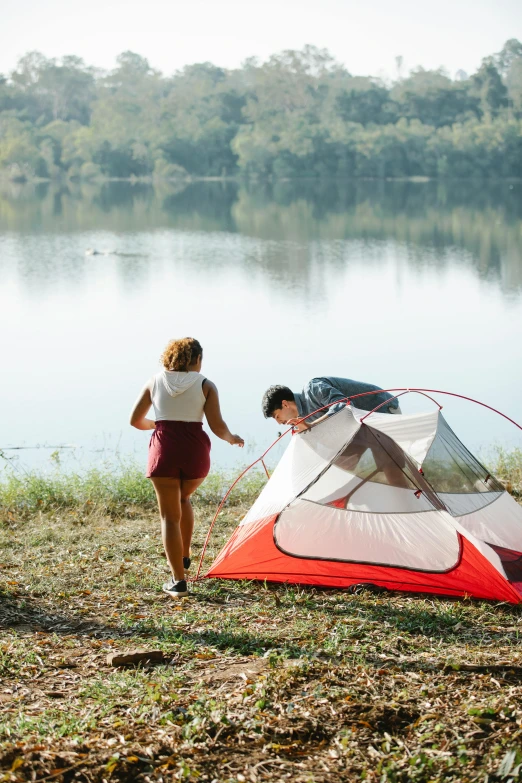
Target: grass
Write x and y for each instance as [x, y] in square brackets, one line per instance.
[121, 490]
[116, 491]
[507, 467]
[258, 682]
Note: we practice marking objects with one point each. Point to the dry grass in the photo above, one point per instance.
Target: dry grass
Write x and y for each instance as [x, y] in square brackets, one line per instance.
[259, 682]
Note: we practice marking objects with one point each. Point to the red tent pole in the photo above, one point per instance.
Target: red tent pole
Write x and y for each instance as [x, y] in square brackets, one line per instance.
[386, 402]
[225, 497]
[439, 391]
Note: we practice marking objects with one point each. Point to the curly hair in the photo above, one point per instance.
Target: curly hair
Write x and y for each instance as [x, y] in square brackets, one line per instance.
[180, 354]
[273, 399]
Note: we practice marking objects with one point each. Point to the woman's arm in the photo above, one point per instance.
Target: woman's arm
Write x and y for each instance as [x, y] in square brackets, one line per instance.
[214, 417]
[140, 410]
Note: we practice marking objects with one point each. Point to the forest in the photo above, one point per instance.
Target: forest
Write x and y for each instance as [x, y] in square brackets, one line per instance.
[299, 114]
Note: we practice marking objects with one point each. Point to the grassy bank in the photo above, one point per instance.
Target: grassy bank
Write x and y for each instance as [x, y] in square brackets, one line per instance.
[122, 490]
[257, 683]
[116, 491]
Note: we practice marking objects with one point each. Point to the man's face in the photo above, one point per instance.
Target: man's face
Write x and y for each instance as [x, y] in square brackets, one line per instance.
[287, 411]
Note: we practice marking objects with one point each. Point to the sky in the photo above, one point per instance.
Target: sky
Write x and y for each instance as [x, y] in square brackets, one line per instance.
[365, 35]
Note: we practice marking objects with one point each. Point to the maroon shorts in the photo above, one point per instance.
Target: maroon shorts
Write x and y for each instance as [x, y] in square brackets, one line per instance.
[178, 449]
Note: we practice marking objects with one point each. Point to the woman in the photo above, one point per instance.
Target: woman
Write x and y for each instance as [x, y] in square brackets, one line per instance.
[179, 449]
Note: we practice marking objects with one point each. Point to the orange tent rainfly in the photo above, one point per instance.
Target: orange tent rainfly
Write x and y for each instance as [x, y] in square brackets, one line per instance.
[395, 501]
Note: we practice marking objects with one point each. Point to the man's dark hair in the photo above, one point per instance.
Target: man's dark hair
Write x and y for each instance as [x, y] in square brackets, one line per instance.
[273, 399]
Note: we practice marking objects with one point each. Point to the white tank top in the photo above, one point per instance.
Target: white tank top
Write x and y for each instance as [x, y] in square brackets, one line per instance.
[178, 396]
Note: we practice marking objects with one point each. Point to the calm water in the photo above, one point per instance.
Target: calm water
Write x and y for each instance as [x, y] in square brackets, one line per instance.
[399, 284]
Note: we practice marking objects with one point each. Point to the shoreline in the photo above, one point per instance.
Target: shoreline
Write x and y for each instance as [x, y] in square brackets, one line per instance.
[243, 179]
[120, 490]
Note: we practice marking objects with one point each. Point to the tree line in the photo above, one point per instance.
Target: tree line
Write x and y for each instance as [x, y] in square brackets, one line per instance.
[298, 114]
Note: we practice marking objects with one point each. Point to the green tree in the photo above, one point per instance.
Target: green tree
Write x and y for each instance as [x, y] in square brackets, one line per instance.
[511, 51]
[125, 118]
[299, 114]
[54, 90]
[200, 115]
[433, 98]
[487, 86]
[364, 100]
[20, 157]
[514, 85]
[289, 98]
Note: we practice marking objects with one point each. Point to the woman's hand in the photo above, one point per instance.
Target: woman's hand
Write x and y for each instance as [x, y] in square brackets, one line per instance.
[236, 440]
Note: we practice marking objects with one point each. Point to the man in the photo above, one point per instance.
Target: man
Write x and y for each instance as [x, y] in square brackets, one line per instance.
[280, 402]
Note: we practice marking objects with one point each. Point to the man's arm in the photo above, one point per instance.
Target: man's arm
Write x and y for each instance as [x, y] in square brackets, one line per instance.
[300, 426]
[320, 394]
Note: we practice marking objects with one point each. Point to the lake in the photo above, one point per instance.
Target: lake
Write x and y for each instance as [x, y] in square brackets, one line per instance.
[400, 284]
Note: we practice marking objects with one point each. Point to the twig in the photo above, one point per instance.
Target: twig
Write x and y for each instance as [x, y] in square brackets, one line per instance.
[38, 446]
[60, 772]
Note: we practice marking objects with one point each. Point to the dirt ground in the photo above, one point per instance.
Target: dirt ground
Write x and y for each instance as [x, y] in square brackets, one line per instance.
[253, 683]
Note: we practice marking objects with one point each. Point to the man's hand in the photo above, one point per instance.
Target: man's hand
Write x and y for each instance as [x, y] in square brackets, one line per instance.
[299, 426]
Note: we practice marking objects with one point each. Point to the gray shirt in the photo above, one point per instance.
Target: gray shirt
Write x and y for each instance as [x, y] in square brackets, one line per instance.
[322, 391]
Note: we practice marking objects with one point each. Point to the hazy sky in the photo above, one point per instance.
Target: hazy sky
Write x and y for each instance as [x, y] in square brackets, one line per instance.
[364, 35]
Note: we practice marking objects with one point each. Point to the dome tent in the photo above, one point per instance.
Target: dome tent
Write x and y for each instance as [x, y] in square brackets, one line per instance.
[396, 501]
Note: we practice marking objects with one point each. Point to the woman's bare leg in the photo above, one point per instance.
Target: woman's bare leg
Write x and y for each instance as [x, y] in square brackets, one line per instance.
[168, 492]
[188, 487]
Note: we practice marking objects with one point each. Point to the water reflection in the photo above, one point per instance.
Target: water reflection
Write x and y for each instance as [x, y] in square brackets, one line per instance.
[299, 223]
[395, 283]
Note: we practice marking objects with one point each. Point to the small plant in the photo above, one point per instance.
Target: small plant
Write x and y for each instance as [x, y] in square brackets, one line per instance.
[507, 467]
